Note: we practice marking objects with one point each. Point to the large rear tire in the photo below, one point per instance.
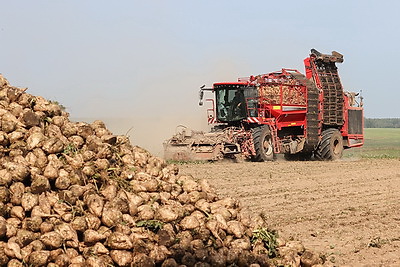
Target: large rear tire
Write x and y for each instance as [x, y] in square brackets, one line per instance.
[330, 146]
[263, 144]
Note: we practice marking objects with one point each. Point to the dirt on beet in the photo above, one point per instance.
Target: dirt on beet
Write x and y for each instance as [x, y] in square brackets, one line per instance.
[348, 210]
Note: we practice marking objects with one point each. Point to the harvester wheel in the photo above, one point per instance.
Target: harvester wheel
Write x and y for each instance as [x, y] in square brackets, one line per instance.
[263, 144]
[330, 146]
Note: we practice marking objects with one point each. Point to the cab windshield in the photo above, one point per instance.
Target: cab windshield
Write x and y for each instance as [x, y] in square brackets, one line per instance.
[232, 102]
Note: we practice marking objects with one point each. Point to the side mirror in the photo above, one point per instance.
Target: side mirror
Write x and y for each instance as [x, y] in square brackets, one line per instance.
[201, 94]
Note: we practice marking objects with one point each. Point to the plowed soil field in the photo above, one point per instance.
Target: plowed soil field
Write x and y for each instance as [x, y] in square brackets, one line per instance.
[348, 210]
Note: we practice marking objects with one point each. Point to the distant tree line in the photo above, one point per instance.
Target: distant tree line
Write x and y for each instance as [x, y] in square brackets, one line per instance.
[382, 123]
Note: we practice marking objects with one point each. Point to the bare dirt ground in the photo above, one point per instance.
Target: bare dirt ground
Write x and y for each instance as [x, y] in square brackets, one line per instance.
[348, 210]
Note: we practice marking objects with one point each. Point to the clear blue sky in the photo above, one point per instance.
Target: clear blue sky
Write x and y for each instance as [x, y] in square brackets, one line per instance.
[146, 59]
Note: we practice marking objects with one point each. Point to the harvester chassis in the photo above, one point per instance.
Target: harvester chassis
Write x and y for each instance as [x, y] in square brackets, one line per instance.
[282, 112]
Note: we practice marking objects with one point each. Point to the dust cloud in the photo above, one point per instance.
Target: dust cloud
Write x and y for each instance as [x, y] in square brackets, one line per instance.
[150, 132]
[150, 109]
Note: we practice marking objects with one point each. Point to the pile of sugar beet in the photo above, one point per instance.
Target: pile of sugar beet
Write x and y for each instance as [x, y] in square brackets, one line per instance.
[74, 194]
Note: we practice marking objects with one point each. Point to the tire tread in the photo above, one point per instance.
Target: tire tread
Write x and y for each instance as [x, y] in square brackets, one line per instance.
[323, 151]
[257, 136]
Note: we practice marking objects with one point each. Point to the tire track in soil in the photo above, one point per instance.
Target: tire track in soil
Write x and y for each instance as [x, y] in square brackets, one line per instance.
[348, 211]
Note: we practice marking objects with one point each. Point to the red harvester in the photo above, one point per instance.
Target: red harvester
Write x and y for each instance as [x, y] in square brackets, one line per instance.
[301, 116]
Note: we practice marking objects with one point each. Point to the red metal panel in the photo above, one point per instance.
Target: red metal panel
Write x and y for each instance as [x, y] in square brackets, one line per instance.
[233, 83]
[307, 65]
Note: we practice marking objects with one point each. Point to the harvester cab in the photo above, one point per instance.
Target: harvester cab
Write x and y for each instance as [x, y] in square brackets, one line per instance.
[234, 102]
[231, 102]
[301, 116]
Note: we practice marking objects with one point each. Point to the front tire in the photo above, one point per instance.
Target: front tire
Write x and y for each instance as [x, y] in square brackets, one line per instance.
[330, 146]
[263, 145]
